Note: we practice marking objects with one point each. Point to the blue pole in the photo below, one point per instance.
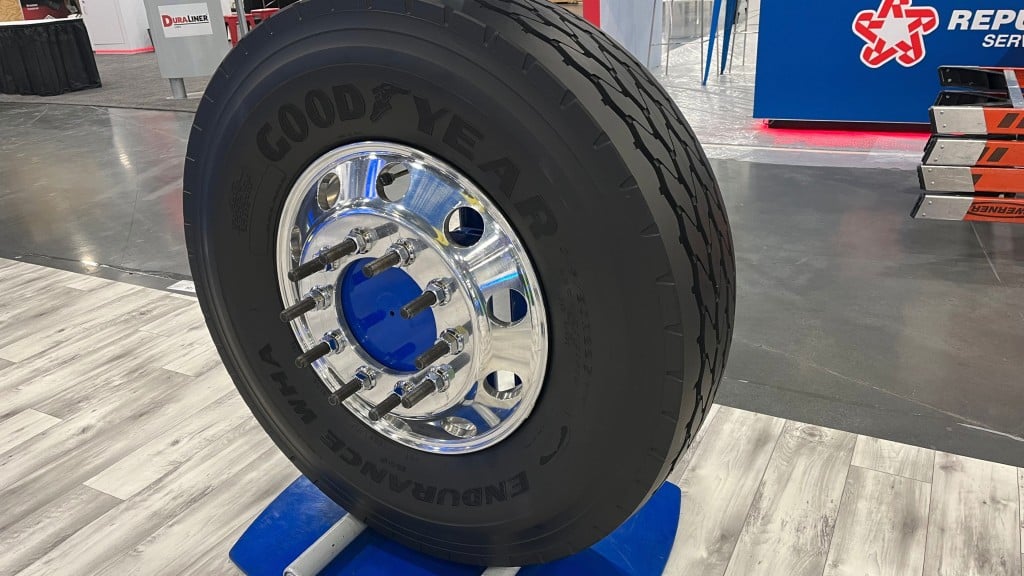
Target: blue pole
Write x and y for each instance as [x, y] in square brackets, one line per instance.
[730, 22]
[716, 7]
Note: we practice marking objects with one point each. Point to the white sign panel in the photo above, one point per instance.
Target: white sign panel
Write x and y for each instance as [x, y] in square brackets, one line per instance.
[180, 20]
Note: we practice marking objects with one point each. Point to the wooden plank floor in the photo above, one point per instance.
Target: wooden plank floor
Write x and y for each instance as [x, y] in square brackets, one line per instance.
[127, 445]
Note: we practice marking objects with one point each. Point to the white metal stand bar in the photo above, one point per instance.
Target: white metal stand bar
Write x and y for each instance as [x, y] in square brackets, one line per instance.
[326, 548]
[243, 22]
[508, 571]
[1013, 87]
[336, 539]
[178, 88]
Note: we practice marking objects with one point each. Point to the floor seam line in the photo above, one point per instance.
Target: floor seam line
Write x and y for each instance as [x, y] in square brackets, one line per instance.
[46, 413]
[839, 508]
[750, 506]
[984, 251]
[102, 491]
[887, 473]
[928, 518]
[859, 382]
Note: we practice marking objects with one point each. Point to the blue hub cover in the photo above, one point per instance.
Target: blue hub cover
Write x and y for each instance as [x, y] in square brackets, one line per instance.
[371, 310]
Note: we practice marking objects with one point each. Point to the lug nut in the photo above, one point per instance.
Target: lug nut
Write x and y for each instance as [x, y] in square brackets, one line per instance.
[386, 406]
[399, 254]
[368, 377]
[436, 381]
[451, 341]
[347, 389]
[318, 298]
[438, 293]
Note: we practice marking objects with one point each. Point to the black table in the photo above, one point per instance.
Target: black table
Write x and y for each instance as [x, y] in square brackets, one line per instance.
[46, 57]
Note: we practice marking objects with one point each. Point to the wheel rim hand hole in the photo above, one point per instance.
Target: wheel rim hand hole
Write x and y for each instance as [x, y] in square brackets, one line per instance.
[507, 307]
[393, 182]
[295, 242]
[503, 385]
[328, 191]
[464, 227]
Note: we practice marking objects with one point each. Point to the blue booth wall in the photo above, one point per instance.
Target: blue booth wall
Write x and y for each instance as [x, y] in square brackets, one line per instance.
[809, 61]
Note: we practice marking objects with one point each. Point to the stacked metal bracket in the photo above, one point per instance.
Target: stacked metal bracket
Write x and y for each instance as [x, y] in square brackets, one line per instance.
[973, 165]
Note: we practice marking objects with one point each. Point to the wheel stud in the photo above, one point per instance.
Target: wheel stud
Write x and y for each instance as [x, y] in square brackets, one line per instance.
[332, 342]
[347, 389]
[315, 353]
[389, 260]
[421, 303]
[298, 309]
[417, 393]
[323, 260]
[438, 293]
[451, 341]
[318, 298]
[399, 254]
[387, 405]
[359, 241]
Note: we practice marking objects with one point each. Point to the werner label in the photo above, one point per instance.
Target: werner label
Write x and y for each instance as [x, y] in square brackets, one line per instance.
[183, 20]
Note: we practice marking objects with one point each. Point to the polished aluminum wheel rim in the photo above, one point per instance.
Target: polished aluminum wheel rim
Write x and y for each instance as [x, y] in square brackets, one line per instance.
[398, 200]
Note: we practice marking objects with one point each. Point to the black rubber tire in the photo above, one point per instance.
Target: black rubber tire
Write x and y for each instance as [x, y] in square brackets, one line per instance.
[602, 179]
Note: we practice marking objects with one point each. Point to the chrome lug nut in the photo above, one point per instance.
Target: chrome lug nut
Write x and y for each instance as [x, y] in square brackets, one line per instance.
[399, 254]
[451, 341]
[368, 377]
[319, 298]
[438, 293]
[437, 380]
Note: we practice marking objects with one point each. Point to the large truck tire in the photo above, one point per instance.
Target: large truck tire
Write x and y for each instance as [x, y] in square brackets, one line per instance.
[543, 201]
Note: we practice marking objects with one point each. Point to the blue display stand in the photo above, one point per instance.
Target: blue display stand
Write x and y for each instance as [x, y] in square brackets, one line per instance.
[301, 513]
[875, 60]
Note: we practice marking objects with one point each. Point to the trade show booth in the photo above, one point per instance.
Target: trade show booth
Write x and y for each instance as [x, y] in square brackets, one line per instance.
[847, 61]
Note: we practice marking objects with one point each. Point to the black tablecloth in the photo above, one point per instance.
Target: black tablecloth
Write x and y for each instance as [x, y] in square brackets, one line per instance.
[46, 58]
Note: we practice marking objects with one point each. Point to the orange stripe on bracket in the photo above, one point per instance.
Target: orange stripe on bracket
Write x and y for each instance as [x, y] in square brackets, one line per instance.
[998, 180]
[1004, 121]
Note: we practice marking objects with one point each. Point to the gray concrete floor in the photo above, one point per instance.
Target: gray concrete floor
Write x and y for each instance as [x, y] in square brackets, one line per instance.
[850, 315]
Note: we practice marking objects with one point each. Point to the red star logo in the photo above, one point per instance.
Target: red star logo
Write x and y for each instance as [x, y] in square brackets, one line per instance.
[895, 30]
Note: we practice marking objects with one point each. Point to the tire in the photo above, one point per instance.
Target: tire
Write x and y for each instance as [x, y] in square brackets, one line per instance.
[602, 179]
